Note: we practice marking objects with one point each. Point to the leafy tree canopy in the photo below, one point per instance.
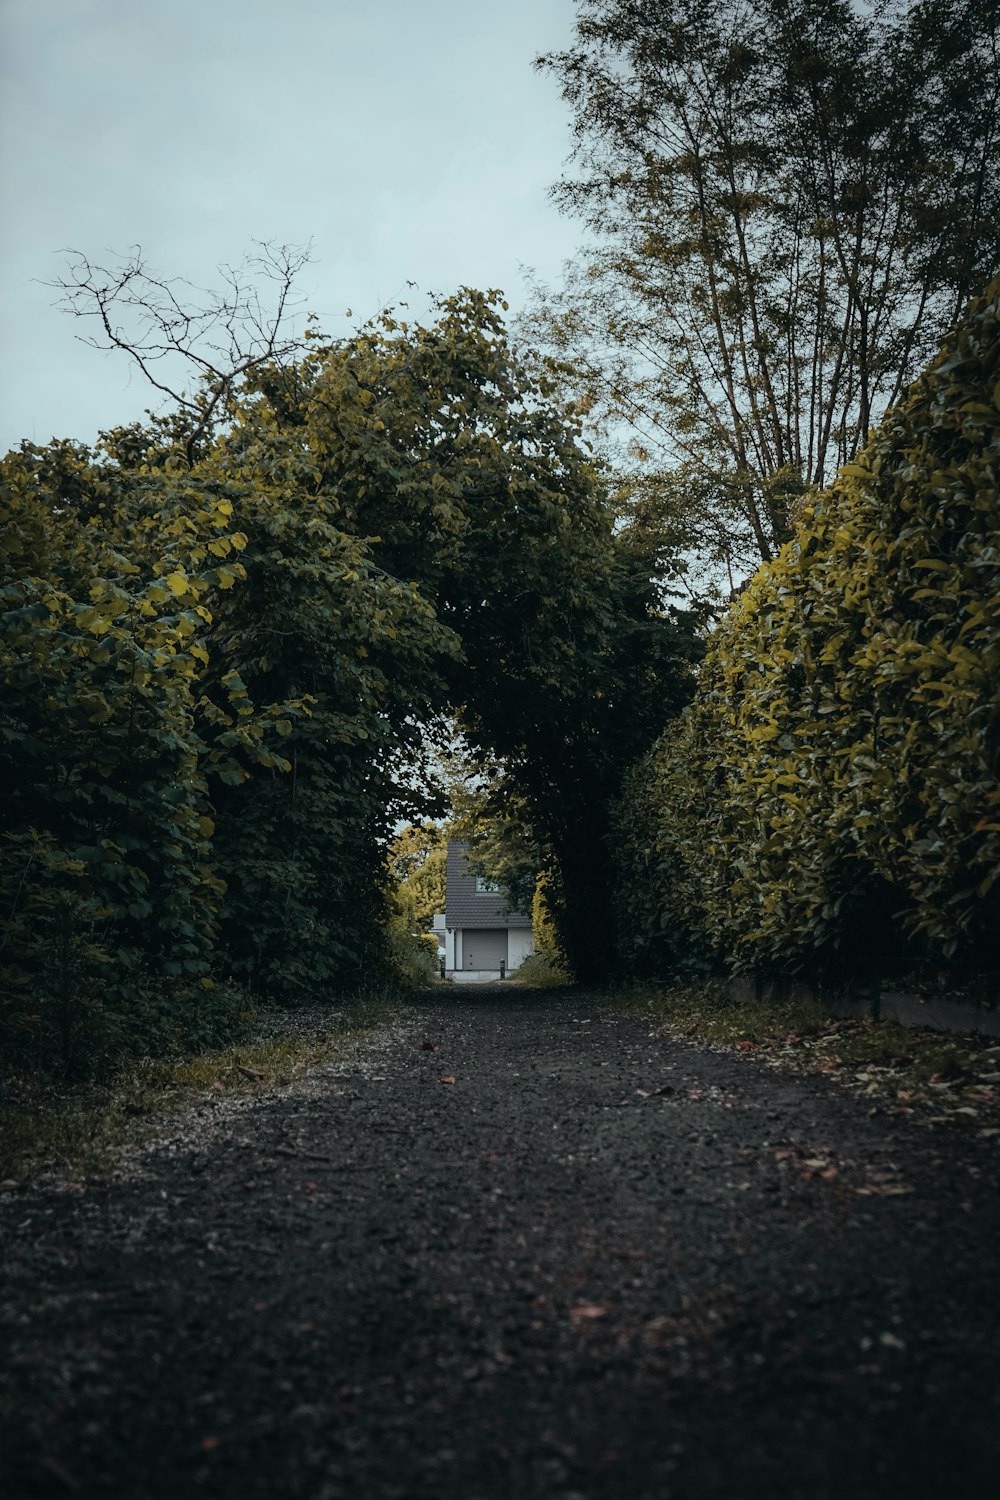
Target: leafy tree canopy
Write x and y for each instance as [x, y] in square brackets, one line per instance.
[791, 201]
[237, 635]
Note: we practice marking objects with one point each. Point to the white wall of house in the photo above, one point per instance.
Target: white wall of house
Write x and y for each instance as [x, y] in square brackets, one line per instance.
[520, 942]
[452, 948]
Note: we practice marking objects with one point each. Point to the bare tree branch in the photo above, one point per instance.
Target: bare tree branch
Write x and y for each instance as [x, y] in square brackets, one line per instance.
[172, 329]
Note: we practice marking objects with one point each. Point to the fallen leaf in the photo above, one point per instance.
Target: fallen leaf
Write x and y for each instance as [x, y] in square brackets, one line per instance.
[209, 1444]
[587, 1312]
[429, 1046]
[448, 1078]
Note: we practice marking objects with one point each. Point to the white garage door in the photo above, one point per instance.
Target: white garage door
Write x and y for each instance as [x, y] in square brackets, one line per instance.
[484, 948]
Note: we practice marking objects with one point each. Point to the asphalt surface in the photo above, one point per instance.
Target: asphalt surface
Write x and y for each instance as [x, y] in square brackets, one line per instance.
[530, 1251]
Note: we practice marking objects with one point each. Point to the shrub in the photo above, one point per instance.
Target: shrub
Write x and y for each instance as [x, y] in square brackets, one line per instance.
[542, 971]
[834, 787]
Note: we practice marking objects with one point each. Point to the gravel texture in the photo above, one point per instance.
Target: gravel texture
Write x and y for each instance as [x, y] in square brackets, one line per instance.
[521, 1248]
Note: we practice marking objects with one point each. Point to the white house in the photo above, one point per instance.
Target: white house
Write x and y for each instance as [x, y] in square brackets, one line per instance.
[482, 939]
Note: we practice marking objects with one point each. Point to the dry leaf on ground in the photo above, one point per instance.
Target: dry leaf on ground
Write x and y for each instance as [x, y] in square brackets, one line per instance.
[587, 1312]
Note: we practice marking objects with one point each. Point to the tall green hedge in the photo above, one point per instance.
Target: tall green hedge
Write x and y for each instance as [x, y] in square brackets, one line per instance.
[109, 891]
[833, 790]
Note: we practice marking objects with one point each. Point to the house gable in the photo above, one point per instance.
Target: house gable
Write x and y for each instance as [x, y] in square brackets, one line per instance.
[464, 905]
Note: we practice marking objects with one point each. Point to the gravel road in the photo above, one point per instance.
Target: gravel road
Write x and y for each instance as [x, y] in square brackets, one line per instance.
[526, 1251]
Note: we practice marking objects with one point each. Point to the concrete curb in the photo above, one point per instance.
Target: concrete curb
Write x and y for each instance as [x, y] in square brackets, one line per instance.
[907, 1007]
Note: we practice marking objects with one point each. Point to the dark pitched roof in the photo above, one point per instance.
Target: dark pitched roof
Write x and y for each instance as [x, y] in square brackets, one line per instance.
[464, 906]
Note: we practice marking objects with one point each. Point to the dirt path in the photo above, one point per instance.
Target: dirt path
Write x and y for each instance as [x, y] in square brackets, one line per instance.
[534, 1281]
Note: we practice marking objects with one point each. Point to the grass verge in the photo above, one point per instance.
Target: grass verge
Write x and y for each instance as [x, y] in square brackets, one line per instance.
[82, 1130]
[936, 1078]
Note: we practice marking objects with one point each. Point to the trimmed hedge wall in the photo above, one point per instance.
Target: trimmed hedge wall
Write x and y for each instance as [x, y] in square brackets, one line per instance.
[832, 793]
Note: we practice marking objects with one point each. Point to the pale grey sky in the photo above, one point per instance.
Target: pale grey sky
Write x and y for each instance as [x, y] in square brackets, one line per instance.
[408, 139]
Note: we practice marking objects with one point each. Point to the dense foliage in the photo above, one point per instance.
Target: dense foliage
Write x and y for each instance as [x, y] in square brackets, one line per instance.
[115, 726]
[832, 794]
[230, 652]
[418, 857]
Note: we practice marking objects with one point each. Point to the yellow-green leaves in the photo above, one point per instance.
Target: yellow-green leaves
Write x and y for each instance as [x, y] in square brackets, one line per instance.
[827, 787]
[109, 886]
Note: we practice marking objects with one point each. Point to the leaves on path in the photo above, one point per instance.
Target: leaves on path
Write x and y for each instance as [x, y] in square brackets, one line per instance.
[448, 1078]
[808, 1164]
[936, 1078]
[587, 1312]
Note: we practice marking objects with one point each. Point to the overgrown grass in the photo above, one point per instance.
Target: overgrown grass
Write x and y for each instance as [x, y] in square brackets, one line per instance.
[904, 1070]
[80, 1131]
[542, 972]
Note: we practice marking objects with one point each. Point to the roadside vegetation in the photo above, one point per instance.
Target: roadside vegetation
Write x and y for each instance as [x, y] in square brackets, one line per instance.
[73, 1131]
[541, 971]
[903, 1070]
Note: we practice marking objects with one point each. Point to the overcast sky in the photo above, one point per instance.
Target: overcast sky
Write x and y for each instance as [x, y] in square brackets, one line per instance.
[409, 140]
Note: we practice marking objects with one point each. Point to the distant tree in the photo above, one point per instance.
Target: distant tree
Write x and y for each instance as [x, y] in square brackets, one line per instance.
[790, 202]
[417, 859]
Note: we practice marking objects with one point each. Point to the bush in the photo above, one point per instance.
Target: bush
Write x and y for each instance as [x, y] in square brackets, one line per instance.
[542, 971]
[832, 792]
